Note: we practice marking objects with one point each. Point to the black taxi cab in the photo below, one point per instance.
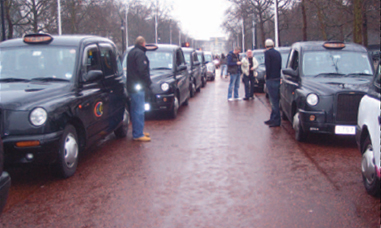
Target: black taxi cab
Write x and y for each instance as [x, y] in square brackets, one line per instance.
[170, 79]
[322, 85]
[59, 95]
[201, 58]
[194, 69]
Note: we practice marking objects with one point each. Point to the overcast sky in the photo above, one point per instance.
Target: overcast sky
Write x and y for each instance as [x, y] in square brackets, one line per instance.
[201, 19]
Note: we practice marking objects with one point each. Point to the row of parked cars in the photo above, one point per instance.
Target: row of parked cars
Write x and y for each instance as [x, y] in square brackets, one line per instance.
[177, 73]
[61, 94]
[332, 87]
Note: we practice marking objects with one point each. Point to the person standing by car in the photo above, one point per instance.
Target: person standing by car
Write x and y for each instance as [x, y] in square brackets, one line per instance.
[273, 63]
[248, 74]
[138, 80]
[223, 63]
[234, 71]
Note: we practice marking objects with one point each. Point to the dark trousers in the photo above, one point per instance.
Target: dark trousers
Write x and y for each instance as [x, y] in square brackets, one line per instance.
[249, 85]
[273, 87]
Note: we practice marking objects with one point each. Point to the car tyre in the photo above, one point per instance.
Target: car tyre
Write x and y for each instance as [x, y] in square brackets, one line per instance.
[203, 84]
[67, 161]
[300, 134]
[192, 89]
[368, 169]
[122, 130]
[186, 102]
[175, 108]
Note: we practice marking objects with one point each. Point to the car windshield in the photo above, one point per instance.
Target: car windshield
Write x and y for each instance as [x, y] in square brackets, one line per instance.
[284, 59]
[187, 58]
[159, 60]
[208, 58]
[260, 57]
[36, 62]
[199, 57]
[336, 62]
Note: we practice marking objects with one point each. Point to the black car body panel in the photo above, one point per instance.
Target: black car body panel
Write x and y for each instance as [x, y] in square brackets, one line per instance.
[194, 67]
[56, 80]
[337, 93]
[172, 71]
[201, 58]
[259, 55]
[5, 180]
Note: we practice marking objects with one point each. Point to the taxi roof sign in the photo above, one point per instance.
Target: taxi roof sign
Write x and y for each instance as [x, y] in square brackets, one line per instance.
[151, 47]
[334, 45]
[37, 38]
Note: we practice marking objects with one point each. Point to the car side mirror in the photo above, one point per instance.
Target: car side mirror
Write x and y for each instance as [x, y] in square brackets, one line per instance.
[290, 72]
[93, 75]
[181, 67]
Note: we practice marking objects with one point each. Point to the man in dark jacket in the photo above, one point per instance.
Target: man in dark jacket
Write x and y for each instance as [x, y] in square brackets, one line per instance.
[234, 70]
[138, 80]
[273, 63]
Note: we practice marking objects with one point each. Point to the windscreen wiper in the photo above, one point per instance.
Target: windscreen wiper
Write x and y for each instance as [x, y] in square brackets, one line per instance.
[328, 74]
[161, 68]
[358, 74]
[50, 79]
[14, 80]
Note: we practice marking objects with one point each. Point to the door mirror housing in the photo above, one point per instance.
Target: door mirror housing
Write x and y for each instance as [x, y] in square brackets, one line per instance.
[181, 67]
[93, 75]
[290, 72]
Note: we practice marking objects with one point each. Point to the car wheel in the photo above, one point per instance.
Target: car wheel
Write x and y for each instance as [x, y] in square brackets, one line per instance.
[192, 89]
[67, 162]
[212, 78]
[203, 84]
[122, 131]
[300, 134]
[186, 102]
[282, 114]
[175, 108]
[368, 169]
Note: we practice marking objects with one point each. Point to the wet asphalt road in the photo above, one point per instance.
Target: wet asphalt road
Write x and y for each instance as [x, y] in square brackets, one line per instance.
[216, 165]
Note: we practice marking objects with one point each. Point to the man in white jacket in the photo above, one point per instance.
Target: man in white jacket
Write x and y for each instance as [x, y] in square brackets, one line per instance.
[249, 65]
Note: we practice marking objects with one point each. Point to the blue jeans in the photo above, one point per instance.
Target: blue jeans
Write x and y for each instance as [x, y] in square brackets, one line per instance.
[273, 87]
[234, 82]
[224, 69]
[137, 113]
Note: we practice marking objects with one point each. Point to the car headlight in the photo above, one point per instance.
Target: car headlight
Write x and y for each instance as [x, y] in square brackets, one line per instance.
[312, 99]
[38, 116]
[165, 86]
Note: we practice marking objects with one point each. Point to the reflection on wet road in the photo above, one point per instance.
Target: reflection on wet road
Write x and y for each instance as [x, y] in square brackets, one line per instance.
[216, 165]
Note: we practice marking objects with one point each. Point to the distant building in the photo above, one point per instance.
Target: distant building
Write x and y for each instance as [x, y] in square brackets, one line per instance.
[216, 45]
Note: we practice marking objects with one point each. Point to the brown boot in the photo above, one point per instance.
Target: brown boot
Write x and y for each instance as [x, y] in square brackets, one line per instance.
[143, 139]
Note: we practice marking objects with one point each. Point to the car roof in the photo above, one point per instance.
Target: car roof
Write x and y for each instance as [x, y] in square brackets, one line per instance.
[165, 47]
[64, 40]
[187, 49]
[283, 49]
[318, 46]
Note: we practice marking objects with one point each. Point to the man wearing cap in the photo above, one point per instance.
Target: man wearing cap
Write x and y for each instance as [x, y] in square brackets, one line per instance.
[138, 80]
[234, 70]
[273, 63]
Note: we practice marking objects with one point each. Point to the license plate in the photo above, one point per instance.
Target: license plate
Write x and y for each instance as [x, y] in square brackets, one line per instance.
[345, 130]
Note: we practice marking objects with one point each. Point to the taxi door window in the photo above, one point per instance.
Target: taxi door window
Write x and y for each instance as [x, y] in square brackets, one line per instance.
[179, 58]
[195, 59]
[107, 59]
[294, 64]
[91, 59]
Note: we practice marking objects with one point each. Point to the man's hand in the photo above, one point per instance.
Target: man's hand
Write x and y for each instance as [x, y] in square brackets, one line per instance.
[239, 63]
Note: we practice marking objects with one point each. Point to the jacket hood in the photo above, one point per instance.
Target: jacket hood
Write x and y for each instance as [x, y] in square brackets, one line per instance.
[26, 96]
[329, 86]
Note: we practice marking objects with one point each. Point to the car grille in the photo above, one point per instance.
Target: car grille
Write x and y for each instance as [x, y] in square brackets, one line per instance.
[347, 107]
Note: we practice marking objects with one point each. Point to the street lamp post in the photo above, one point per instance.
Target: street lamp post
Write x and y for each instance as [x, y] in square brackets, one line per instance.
[2, 20]
[127, 9]
[157, 11]
[276, 23]
[122, 30]
[59, 17]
